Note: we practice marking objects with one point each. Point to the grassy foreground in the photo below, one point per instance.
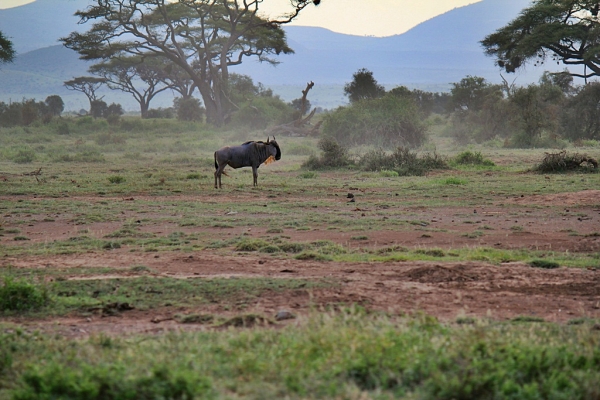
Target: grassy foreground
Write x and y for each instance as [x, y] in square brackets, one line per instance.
[347, 354]
[148, 187]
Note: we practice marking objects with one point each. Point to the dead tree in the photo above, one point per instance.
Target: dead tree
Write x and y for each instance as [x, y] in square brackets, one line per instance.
[300, 126]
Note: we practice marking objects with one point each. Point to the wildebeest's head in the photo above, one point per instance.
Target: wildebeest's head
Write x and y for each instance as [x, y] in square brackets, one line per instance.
[274, 144]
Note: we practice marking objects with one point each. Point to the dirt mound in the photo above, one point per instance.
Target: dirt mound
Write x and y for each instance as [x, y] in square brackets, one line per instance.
[440, 273]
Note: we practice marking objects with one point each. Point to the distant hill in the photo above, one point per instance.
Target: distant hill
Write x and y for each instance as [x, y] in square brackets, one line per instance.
[439, 51]
[41, 23]
[430, 56]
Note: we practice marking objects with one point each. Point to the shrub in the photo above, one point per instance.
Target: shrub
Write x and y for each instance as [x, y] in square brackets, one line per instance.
[261, 112]
[580, 117]
[291, 247]
[563, 161]
[402, 161]
[271, 248]
[116, 179]
[251, 245]
[20, 295]
[188, 109]
[388, 174]
[386, 121]
[544, 264]
[161, 113]
[377, 160]
[472, 158]
[114, 381]
[334, 156]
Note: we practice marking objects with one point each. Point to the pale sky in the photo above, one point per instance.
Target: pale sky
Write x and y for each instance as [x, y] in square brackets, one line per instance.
[354, 17]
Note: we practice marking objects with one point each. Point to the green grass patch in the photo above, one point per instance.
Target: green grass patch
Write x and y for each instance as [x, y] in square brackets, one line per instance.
[332, 355]
[116, 295]
[454, 181]
[18, 295]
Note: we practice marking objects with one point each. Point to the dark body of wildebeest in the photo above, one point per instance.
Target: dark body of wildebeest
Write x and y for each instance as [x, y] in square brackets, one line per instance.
[249, 154]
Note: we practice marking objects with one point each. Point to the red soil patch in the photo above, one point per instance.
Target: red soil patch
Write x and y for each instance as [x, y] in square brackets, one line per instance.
[445, 290]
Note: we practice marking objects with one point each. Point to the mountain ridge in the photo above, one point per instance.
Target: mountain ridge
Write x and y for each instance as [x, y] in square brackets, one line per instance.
[434, 53]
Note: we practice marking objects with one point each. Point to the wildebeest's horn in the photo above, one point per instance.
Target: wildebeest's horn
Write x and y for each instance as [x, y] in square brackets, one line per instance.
[267, 139]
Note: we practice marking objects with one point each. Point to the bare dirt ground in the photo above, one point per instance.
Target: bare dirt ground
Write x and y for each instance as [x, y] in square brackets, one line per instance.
[442, 289]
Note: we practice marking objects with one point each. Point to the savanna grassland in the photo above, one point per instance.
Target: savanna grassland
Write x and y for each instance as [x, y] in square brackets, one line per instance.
[125, 274]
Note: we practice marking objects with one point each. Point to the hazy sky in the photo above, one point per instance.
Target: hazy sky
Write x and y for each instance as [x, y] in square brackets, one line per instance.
[356, 17]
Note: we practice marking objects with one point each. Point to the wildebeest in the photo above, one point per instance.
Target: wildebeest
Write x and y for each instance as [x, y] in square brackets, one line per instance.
[249, 154]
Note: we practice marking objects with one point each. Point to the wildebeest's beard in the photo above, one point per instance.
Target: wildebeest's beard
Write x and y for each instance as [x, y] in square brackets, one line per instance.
[278, 154]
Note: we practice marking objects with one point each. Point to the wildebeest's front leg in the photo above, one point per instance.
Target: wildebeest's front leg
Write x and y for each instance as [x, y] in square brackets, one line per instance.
[255, 174]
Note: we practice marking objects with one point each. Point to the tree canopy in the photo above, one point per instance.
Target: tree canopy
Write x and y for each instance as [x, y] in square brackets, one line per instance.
[7, 52]
[202, 37]
[363, 86]
[143, 78]
[566, 31]
[87, 85]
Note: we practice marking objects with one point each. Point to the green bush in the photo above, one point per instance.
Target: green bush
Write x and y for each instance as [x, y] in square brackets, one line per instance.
[334, 156]
[544, 264]
[580, 116]
[116, 179]
[402, 161]
[386, 121]
[261, 112]
[20, 295]
[564, 161]
[472, 158]
[251, 245]
[189, 109]
[110, 382]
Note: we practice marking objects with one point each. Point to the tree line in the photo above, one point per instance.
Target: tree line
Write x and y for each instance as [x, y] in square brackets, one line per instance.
[145, 47]
[473, 111]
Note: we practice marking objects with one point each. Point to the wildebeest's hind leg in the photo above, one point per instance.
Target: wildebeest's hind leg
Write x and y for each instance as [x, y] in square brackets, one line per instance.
[218, 174]
[218, 171]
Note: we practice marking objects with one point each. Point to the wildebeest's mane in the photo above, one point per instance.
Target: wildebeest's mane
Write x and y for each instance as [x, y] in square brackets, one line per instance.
[273, 142]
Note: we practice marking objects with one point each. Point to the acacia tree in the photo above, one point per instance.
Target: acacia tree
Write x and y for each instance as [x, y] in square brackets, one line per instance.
[363, 86]
[87, 85]
[566, 31]
[202, 37]
[7, 52]
[142, 77]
